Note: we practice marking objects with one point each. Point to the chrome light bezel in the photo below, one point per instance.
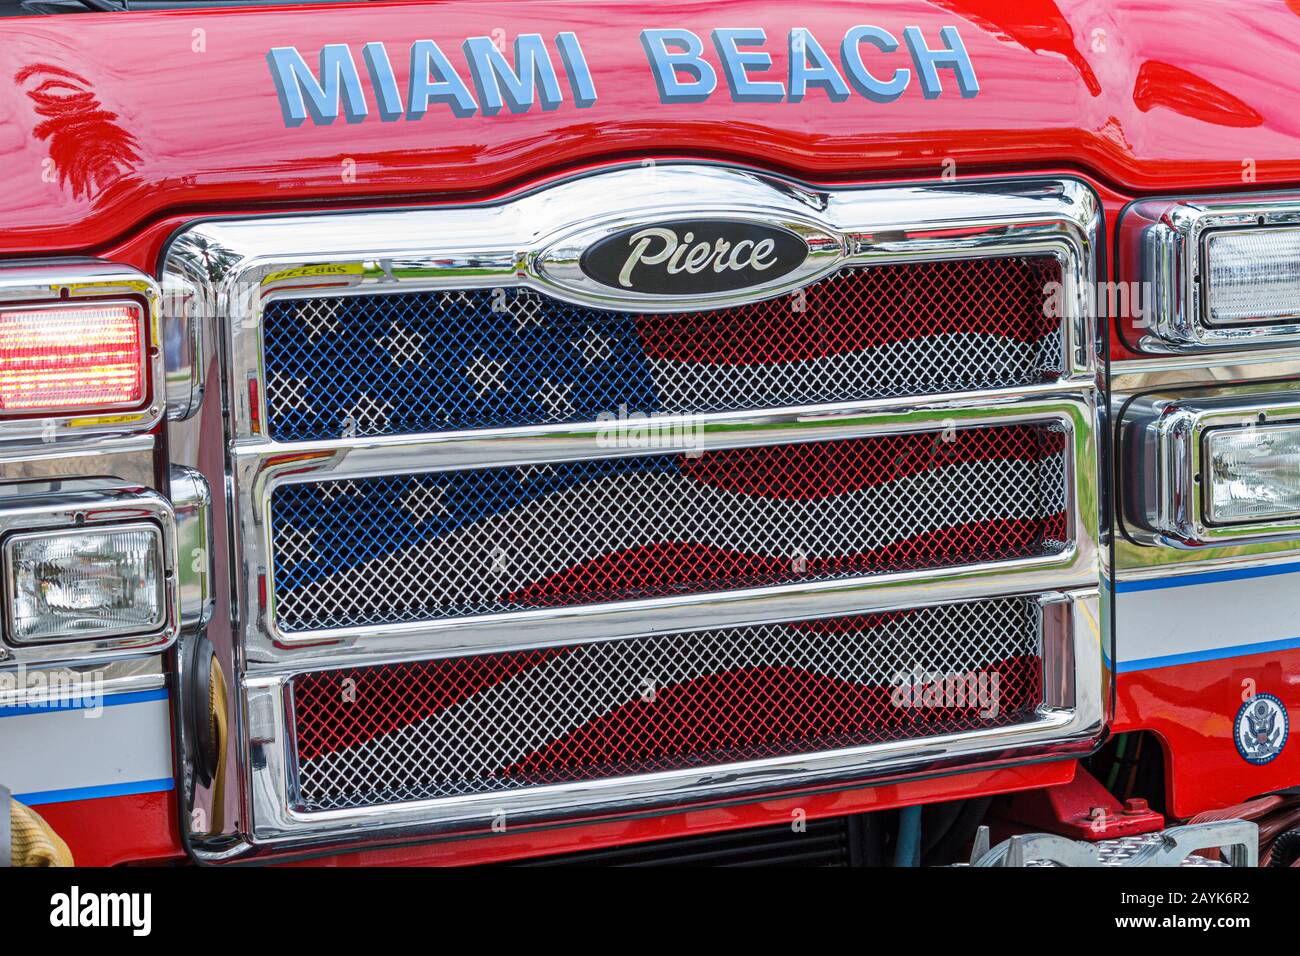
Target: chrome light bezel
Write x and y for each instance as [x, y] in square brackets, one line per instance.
[1207, 484]
[1164, 435]
[51, 507]
[1164, 242]
[64, 282]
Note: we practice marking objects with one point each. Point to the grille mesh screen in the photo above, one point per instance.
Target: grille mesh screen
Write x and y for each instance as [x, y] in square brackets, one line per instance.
[427, 362]
[502, 721]
[450, 544]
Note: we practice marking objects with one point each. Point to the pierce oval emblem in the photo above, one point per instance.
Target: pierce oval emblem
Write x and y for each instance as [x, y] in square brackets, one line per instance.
[694, 256]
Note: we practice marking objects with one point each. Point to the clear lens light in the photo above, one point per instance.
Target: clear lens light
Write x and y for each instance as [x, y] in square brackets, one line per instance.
[1254, 472]
[1254, 275]
[71, 357]
[79, 585]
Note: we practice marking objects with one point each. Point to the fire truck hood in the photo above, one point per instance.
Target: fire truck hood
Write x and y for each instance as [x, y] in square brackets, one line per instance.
[112, 121]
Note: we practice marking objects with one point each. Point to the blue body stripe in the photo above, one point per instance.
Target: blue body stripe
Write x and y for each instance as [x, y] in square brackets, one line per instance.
[1211, 654]
[161, 785]
[84, 703]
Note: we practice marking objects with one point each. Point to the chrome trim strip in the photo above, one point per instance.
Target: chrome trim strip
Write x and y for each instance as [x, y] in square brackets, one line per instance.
[332, 459]
[110, 677]
[192, 499]
[1162, 241]
[66, 282]
[186, 334]
[68, 504]
[1058, 731]
[130, 458]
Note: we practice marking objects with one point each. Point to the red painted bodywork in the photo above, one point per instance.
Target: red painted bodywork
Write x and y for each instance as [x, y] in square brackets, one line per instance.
[118, 129]
[1192, 707]
[1082, 810]
[112, 830]
[144, 116]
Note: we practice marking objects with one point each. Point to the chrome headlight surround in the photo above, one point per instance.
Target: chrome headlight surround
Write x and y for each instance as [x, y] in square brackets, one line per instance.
[92, 504]
[1166, 483]
[1164, 242]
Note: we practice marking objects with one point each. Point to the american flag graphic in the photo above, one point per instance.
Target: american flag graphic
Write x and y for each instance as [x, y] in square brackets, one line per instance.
[411, 363]
[500, 721]
[451, 544]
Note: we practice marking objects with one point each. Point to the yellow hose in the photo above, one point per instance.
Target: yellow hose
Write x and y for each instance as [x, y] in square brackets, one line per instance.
[220, 727]
[34, 842]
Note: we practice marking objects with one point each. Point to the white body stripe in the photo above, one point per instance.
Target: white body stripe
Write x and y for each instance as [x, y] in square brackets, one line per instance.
[1199, 619]
[74, 754]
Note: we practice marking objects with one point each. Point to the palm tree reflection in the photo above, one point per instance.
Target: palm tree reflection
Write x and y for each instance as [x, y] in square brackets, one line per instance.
[90, 148]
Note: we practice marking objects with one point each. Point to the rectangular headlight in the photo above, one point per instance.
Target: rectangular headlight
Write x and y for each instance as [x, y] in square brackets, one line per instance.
[1211, 466]
[71, 358]
[1254, 276]
[1252, 472]
[83, 584]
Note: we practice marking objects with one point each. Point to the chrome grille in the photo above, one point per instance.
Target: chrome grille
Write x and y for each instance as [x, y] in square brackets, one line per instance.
[908, 292]
[483, 358]
[449, 544]
[496, 722]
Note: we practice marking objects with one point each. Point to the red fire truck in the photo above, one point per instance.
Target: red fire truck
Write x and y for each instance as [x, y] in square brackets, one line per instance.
[742, 432]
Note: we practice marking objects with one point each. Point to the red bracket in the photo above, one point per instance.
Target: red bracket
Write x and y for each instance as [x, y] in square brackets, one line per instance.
[1082, 809]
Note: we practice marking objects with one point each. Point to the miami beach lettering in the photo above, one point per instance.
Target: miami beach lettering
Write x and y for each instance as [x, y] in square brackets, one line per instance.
[529, 79]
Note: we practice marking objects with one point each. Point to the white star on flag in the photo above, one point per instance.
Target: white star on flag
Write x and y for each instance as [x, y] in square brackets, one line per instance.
[295, 545]
[596, 348]
[555, 396]
[318, 316]
[329, 490]
[290, 392]
[403, 346]
[486, 373]
[367, 416]
[527, 310]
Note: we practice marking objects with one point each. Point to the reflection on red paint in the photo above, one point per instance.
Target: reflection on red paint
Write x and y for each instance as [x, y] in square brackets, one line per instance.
[1038, 26]
[1162, 84]
[90, 149]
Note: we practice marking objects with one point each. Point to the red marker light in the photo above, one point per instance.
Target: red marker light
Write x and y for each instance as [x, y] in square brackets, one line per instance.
[71, 357]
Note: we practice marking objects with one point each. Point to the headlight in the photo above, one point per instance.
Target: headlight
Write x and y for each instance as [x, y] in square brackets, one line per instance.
[1252, 473]
[1254, 276]
[1218, 466]
[1217, 273]
[85, 584]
